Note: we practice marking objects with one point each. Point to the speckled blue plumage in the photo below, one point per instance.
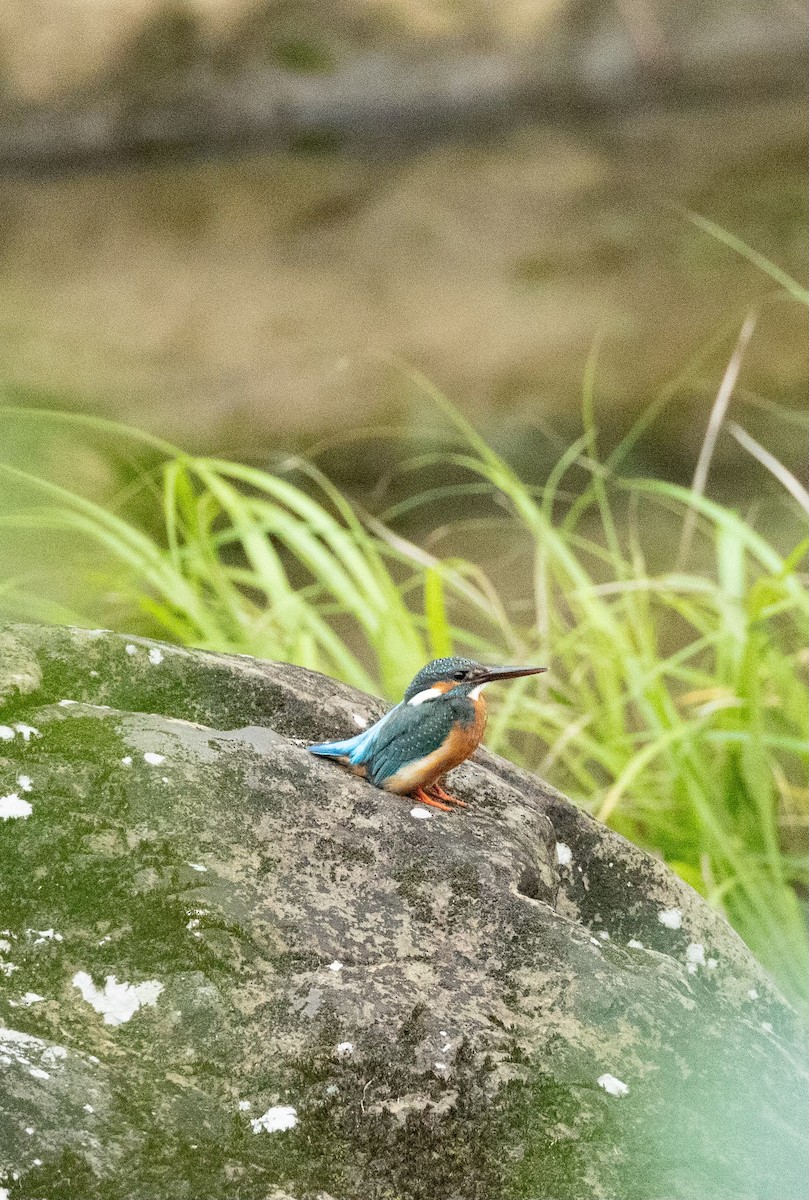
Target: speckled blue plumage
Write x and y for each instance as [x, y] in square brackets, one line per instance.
[437, 726]
[438, 669]
[405, 735]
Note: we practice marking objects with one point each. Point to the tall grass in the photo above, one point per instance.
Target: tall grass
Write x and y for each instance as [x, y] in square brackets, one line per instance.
[676, 704]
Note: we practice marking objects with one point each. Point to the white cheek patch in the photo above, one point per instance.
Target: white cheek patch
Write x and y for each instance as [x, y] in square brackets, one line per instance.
[427, 694]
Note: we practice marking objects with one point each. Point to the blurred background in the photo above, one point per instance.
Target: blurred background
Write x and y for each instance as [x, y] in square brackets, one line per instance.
[207, 209]
[278, 233]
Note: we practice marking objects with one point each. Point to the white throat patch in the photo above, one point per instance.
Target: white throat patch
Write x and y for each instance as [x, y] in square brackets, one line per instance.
[427, 694]
[473, 695]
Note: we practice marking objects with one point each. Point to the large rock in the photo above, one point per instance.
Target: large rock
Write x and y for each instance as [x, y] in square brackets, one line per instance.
[230, 970]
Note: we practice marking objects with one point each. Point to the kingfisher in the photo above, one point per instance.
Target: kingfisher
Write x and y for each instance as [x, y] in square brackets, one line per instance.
[437, 725]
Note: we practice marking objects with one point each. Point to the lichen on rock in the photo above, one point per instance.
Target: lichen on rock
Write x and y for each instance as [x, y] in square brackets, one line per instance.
[209, 917]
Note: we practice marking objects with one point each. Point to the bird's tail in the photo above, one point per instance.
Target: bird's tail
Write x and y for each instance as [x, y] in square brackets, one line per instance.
[351, 748]
[356, 750]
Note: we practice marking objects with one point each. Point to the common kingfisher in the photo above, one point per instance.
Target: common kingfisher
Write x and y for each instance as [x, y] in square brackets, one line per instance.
[437, 725]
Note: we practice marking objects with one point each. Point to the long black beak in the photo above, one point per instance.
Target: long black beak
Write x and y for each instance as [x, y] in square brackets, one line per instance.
[494, 674]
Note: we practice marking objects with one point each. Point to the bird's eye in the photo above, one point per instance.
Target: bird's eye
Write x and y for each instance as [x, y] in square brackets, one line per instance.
[459, 675]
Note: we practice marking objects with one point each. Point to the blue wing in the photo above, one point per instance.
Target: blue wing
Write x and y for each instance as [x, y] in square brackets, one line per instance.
[402, 736]
[412, 734]
[358, 749]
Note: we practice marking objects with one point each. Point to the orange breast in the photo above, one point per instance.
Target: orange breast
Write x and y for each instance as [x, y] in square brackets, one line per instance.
[464, 740]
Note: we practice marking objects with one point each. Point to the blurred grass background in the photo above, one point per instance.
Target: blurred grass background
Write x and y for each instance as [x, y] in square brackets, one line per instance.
[289, 289]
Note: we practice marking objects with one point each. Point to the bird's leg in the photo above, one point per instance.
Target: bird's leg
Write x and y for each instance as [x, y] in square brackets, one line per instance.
[421, 795]
[439, 793]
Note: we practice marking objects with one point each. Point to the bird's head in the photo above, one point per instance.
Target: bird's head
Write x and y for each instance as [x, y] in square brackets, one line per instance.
[459, 675]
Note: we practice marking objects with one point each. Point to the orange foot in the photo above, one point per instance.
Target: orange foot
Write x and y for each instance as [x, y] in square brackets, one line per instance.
[421, 795]
[440, 794]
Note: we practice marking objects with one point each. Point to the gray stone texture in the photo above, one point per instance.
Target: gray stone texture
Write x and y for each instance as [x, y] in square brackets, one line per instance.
[436, 1009]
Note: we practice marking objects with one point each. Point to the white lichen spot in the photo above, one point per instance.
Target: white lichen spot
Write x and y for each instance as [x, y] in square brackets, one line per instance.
[275, 1119]
[26, 732]
[118, 1001]
[712, 964]
[564, 855]
[193, 923]
[67, 703]
[197, 867]
[164, 778]
[24, 783]
[32, 998]
[52, 1053]
[127, 760]
[615, 1087]
[94, 674]
[155, 656]
[359, 721]
[335, 966]
[245, 1106]
[6, 733]
[130, 649]
[604, 935]
[88, 1108]
[153, 759]
[753, 994]
[694, 956]
[5, 945]
[46, 935]
[595, 942]
[13, 806]
[672, 918]
[420, 813]
[634, 944]
[344, 1049]
[38, 1073]
[18, 1046]
[767, 1027]
[29, 1129]
[37, 1162]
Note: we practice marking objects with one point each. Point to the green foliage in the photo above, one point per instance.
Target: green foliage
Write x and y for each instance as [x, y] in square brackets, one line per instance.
[675, 708]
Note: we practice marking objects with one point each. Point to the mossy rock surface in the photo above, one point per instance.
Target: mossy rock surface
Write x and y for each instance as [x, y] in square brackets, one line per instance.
[230, 970]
